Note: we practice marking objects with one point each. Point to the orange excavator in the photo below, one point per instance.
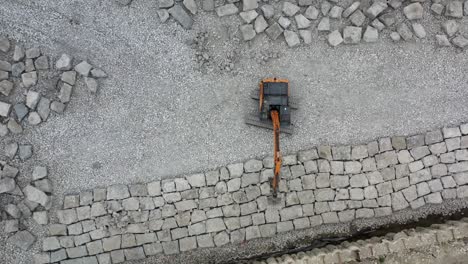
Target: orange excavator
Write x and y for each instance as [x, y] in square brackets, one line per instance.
[274, 113]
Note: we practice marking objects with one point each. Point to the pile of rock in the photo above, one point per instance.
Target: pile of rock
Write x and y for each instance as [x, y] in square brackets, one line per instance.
[349, 24]
[323, 185]
[21, 68]
[33, 200]
[24, 69]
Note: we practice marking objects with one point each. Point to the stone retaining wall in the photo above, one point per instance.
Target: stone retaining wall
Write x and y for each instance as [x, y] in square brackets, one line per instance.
[328, 184]
[378, 247]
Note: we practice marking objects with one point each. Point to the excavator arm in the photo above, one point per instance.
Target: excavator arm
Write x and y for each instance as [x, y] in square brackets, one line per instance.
[277, 153]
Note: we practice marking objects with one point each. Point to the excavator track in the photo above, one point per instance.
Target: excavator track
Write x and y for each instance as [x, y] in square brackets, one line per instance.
[255, 121]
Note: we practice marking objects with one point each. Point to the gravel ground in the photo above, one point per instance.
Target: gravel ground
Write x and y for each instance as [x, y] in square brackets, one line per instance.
[160, 115]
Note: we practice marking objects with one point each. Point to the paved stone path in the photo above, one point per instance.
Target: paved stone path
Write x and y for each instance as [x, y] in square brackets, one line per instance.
[327, 184]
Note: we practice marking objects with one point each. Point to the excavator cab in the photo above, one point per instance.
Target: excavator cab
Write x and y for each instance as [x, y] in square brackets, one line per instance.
[274, 95]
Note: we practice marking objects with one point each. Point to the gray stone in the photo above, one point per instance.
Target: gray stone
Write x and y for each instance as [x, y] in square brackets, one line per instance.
[398, 201]
[337, 167]
[83, 68]
[438, 148]
[324, 24]
[35, 195]
[268, 11]
[42, 63]
[323, 180]
[64, 63]
[57, 107]
[249, 5]
[352, 167]
[460, 41]
[400, 184]
[364, 213]
[29, 79]
[448, 182]
[236, 170]
[98, 73]
[191, 6]
[419, 176]
[359, 180]
[154, 188]
[58, 255]
[450, 28]
[117, 192]
[330, 218]
[405, 33]
[5, 86]
[437, 8]
[77, 252]
[325, 8]
[292, 39]
[385, 144]
[358, 18]
[462, 191]
[395, 36]
[356, 194]
[260, 24]
[69, 77]
[433, 198]
[179, 14]
[284, 226]
[196, 180]
[422, 189]
[452, 143]
[410, 193]
[302, 22]
[352, 35]
[290, 9]
[461, 178]
[221, 239]
[454, 9]
[34, 118]
[65, 93]
[351, 9]
[458, 167]
[134, 253]
[284, 22]
[419, 30]
[324, 194]
[311, 13]
[376, 177]
[340, 181]
[375, 9]
[33, 53]
[111, 243]
[413, 11]
[17, 69]
[11, 149]
[22, 239]
[226, 10]
[215, 225]
[10, 226]
[336, 12]
[247, 31]
[359, 151]
[43, 108]
[164, 15]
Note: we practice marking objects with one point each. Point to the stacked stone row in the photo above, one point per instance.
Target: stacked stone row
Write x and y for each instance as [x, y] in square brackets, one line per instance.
[377, 248]
[21, 69]
[324, 185]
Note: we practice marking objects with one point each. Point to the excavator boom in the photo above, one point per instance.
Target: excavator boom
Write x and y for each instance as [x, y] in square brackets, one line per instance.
[277, 153]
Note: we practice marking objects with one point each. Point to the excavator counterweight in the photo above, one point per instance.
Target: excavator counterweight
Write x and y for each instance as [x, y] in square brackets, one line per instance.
[274, 113]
